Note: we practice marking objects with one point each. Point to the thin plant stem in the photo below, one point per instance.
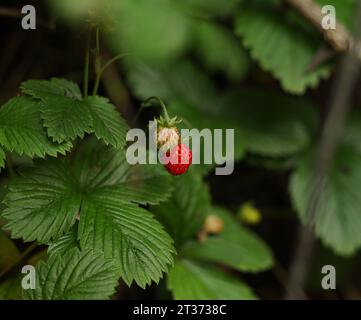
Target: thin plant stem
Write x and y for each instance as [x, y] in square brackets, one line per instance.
[86, 65]
[118, 57]
[165, 112]
[146, 104]
[22, 256]
[97, 61]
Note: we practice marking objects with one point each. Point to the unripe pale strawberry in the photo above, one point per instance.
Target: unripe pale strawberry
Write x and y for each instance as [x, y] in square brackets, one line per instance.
[167, 138]
[213, 224]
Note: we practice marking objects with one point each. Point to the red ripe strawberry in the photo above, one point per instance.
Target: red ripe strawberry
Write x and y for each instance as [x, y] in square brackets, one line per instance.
[178, 160]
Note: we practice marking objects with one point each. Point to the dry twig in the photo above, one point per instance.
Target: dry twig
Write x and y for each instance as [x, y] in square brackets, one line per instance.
[339, 39]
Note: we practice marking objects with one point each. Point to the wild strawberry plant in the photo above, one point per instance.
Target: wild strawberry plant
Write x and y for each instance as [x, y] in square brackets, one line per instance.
[80, 198]
[93, 224]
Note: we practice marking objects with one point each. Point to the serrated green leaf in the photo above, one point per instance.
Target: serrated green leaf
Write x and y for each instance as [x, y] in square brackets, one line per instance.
[21, 129]
[43, 204]
[338, 219]
[104, 192]
[99, 167]
[65, 243]
[74, 276]
[280, 46]
[65, 115]
[189, 280]
[110, 211]
[236, 247]
[43, 89]
[183, 214]
[128, 234]
[107, 124]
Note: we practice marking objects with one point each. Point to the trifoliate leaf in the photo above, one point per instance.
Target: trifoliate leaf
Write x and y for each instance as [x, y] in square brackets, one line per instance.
[338, 219]
[74, 276]
[21, 129]
[183, 214]
[104, 192]
[43, 204]
[64, 114]
[107, 124]
[280, 46]
[190, 280]
[235, 246]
